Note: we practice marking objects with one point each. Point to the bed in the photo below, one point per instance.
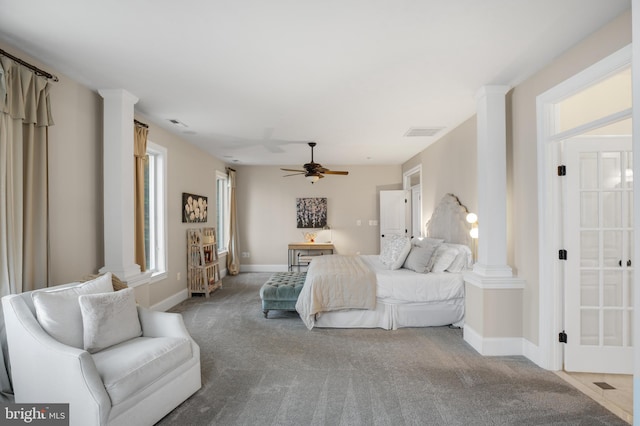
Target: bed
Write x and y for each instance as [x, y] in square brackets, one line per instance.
[412, 283]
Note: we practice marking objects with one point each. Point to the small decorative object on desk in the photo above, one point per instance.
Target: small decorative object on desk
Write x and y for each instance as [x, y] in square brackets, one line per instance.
[310, 237]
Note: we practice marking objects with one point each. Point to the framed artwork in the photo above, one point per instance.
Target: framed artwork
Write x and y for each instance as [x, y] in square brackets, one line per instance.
[194, 208]
[311, 212]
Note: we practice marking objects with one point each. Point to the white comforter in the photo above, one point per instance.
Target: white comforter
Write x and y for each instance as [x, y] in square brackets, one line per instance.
[336, 282]
[406, 286]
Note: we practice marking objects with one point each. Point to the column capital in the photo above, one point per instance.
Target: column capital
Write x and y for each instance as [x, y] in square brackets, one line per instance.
[485, 91]
[118, 93]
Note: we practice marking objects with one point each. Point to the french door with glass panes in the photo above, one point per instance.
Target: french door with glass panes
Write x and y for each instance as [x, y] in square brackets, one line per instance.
[599, 242]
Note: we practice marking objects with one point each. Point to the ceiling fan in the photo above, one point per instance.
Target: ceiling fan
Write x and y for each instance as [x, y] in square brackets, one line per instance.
[314, 171]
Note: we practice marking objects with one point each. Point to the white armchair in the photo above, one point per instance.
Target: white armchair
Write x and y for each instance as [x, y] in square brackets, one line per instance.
[136, 382]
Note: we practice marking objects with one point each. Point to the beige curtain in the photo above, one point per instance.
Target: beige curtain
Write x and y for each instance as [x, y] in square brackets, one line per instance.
[25, 114]
[233, 258]
[140, 157]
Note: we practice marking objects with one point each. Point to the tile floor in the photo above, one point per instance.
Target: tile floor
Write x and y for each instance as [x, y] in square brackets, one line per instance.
[618, 400]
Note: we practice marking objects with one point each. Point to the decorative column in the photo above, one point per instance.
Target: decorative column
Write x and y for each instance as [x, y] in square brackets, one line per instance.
[493, 301]
[118, 177]
[492, 182]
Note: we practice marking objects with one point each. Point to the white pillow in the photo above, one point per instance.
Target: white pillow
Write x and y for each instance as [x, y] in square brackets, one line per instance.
[394, 251]
[463, 260]
[443, 258]
[58, 311]
[109, 319]
[418, 259]
[427, 242]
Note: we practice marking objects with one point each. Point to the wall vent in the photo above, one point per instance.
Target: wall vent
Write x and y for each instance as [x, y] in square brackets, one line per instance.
[422, 131]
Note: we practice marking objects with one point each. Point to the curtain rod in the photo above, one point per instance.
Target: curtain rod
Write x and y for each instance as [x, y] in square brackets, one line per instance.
[37, 70]
[140, 123]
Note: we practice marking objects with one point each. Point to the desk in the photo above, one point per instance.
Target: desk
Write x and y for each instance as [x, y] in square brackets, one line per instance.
[295, 257]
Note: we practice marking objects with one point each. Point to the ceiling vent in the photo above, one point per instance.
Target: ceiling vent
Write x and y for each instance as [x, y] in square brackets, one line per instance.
[422, 131]
[177, 122]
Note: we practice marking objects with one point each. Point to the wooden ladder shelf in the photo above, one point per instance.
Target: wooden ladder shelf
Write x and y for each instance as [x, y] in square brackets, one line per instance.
[203, 268]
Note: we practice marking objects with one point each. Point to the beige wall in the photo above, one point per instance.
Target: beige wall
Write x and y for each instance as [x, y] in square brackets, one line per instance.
[267, 209]
[75, 186]
[495, 313]
[524, 193]
[266, 201]
[75, 182]
[191, 170]
[449, 166]
[75, 178]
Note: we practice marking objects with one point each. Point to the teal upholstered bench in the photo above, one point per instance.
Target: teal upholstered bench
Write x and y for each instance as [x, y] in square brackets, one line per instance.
[281, 291]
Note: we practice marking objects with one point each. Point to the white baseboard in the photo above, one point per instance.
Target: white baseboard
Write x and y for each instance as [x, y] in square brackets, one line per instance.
[171, 301]
[180, 296]
[263, 268]
[499, 346]
[532, 352]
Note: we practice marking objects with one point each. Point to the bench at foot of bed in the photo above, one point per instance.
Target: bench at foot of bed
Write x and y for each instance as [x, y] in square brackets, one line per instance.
[281, 291]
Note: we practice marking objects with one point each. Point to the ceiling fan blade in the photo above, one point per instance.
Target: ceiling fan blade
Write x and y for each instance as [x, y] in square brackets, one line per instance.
[315, 170]
[267, 133]
[273, 148]
[295, 174]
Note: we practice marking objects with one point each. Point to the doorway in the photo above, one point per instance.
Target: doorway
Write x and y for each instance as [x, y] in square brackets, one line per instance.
[598, 233]
[589, 294]
[564, 112]
[412, 181]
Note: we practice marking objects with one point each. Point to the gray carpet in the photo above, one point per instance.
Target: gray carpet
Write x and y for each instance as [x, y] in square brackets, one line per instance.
[258, 371]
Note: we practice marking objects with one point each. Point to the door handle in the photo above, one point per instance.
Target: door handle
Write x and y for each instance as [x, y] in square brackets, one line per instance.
[383, 237]
[629, 262]
[620, 262]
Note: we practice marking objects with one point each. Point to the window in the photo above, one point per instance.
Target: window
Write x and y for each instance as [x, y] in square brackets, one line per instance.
[155, 210]
[612, 95]
[222, 206]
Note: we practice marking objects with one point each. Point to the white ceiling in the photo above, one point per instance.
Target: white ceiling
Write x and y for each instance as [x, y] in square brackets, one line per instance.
[352, 75]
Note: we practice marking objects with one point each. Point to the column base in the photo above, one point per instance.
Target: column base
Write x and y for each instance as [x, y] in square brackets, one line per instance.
[135, 279]
[130, 275]
[493, 314]
[493, 281]
[493, 270]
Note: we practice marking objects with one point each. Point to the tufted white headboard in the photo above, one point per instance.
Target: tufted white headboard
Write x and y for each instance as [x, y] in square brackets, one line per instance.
[449, 222]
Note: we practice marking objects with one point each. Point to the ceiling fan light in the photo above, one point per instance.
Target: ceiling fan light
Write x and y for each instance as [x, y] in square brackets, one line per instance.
[313, 178]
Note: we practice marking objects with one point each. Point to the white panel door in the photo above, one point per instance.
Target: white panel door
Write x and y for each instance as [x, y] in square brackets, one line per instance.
[393, 213]
[599, 242]
[416, 205]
